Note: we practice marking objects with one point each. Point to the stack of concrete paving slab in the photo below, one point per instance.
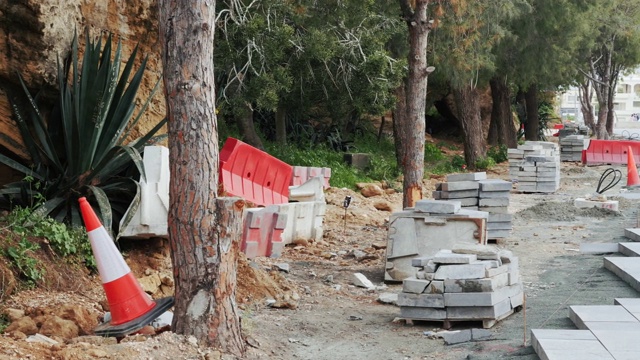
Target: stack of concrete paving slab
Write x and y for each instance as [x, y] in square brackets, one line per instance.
[425, 229]
[468, 283]
[492, 196]
[571, 147]
[536, 166]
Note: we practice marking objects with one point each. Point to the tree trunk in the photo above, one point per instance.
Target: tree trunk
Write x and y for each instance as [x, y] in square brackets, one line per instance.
[203, 231]
[532, 126]
[244, 119]
[586, 93]
[397, 117]
[281, 125]
[411, 124]
[501, 116]
[468, 108]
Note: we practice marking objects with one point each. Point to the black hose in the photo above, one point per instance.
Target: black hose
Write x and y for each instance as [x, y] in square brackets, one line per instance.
[617, 176]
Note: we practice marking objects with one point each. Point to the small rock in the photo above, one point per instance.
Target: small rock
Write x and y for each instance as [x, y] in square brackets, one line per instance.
[270, 302]
[39, 338]
[337, 287]
[307, 290]
[14, 314]
[359, 254]
[480, 334]
[362, 281]
[25, 325]
[301, 242]
[282, 267]
[378, 246]
[370, 190]
[57, 326]
[355, 317]
[192, 340]
[147, 330]
[213, 355]
[328, 278]
[383, 205]
[17, 335]
[456, 337]
[389, 191]
[97, 353]
[388, 298]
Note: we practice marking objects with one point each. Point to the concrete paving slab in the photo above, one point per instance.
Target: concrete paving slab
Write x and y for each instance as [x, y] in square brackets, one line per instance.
[599, 248]
[626, 268]
[551, 349]
[582, 314]
[619, 338]
[632, 233]
[558, 334]
[629, 248]
[632, 305]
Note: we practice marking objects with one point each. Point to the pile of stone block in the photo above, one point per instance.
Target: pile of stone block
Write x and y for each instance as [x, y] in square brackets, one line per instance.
[468, 283]
[425, 229]
[475, 192]
[571, 147]
[536, 166]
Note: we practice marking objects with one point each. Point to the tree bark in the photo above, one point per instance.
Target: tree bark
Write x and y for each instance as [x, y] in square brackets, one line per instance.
[532, 126]
[468, 108]
[281, 125]
[397, 116]
[501, 116]
[203, 231]
[586, 93]
[244, 119]
[411, 124]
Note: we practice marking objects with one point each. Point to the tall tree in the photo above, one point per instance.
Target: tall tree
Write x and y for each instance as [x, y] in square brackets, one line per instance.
[409, 116]
[204, 231]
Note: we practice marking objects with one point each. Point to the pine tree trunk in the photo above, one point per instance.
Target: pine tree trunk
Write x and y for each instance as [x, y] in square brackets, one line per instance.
[586, 93]
[501, 114]
[398, 117]
[281, 126]
[468, 108]
[532, 127]
[203, 231]
[411, 124]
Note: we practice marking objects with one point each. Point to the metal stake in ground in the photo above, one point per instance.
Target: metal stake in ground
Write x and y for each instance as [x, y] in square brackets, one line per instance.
[345, 205]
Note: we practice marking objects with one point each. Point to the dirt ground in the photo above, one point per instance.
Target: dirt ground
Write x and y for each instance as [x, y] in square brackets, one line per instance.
[319, 314]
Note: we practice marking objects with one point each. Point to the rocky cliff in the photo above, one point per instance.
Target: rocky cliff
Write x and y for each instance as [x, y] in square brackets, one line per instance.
[33, 33]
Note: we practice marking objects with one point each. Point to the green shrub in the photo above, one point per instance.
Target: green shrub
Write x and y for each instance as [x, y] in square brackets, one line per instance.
[485, 163]
[21, 258]
[432, 153]
[458, 163]
[80, 149]
[499, 153]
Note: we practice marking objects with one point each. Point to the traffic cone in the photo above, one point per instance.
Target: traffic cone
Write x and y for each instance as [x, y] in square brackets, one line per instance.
[632, 170]
[131, 308]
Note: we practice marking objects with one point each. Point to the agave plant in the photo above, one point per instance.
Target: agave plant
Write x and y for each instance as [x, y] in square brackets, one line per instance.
[79, 150]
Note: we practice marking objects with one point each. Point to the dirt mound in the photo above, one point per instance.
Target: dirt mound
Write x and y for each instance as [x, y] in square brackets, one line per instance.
[562, 211]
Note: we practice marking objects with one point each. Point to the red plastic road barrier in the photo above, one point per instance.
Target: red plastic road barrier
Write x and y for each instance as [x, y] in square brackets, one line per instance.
[253, 174]
[262, 232]
[609, 151]
[301, 174]
[558, 126]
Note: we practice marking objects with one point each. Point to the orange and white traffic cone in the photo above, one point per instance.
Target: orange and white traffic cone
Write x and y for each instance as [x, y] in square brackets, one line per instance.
[632, 170]
[131, 308]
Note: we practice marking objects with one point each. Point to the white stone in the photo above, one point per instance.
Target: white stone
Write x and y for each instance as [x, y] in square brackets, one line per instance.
[362, 281]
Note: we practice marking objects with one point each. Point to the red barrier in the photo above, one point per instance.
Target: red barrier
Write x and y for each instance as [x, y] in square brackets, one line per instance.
[253, 174]
[558, 126]
[262, 232]
[609, 151]
[301, 174]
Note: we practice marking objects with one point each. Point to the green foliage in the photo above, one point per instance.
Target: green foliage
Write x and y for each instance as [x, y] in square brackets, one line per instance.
[499, 153]
[546, 114]
[485, 163]
[432, 153]
[80, 149]
[21, 258]
[458, 163]
[4, 321]
[66, 241]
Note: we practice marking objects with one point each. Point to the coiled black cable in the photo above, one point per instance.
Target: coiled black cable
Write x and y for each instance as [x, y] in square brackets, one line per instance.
[617, 176]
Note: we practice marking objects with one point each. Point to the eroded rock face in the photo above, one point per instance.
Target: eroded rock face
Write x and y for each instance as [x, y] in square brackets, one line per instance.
[33, 33]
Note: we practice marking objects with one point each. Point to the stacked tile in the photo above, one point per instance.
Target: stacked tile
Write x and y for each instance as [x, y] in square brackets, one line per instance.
[539, 168]
[468, 283]
[462, 188]
[493, 198]
[571, 147]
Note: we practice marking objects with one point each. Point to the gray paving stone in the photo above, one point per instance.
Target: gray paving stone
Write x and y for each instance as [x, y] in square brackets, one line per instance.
[477, 285]
[493, 202]
[420, 261]
[458, 194]
[632, 233]
[494, 194]
[437, 206]
[497, 271]
[495, 209]
[506, 225]
[497, 185]
[466, 202]
[480, 334]
[456, 337]
[451, 258]
[500, 217]
[436, 287]
[460, 186]
[629, 249]
[482, 252]
[421, 300]
[414, 286]
[619, 338]
[482, 298]
[551, 349]
[599, 248]
[517, 300]
[558, 334]
[632, 305]
[626, 268]
[467, 176]
[581, 314]
[470, 271]
[479, 312]
[422, 313]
